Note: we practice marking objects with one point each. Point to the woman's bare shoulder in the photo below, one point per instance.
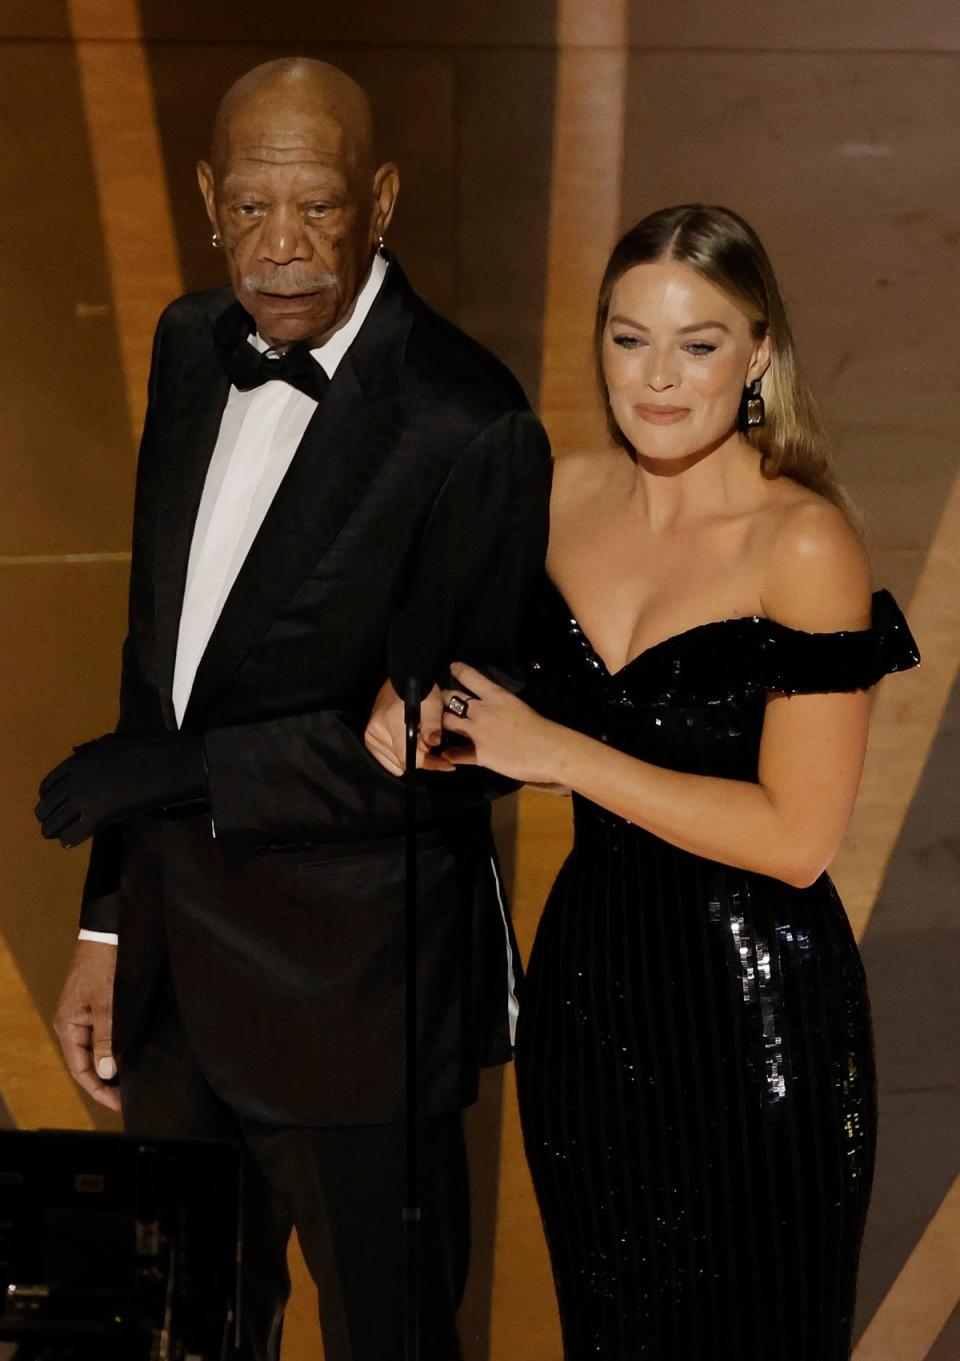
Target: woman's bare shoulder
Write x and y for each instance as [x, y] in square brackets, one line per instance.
[817, 571]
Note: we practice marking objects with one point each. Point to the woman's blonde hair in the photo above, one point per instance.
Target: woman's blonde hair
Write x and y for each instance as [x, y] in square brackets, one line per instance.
[727, 252]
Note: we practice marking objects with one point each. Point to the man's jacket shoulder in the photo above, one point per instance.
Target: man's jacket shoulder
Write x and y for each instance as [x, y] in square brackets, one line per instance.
[450, 364]
[195, 310]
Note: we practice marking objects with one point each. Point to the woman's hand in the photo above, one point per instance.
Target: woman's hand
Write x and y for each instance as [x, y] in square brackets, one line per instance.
[385, 735]
[506, 735]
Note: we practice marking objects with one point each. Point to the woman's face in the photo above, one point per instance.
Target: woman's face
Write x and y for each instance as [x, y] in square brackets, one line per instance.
[677, 354]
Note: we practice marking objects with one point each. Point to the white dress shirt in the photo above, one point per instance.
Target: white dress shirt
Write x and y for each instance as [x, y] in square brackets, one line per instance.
[259, 434]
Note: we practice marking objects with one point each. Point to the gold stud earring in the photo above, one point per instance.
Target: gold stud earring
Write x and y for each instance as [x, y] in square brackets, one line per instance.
[215, 241]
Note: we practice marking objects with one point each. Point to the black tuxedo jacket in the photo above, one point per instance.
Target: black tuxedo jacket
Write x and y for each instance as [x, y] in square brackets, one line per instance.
[422, 482]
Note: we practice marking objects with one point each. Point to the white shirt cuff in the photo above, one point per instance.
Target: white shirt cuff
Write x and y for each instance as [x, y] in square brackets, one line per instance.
[104, 937]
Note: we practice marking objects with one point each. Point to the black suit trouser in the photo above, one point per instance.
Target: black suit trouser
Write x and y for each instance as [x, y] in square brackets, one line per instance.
[341, 1187]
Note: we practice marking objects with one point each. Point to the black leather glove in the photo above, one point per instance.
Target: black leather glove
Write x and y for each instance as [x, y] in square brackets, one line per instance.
[110, 779]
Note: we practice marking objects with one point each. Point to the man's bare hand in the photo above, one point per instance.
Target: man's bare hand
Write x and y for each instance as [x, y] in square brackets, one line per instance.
[84, 1020]
[385, 736]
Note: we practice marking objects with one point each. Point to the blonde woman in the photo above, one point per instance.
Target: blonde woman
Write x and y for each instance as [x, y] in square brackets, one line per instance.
[694, 1054]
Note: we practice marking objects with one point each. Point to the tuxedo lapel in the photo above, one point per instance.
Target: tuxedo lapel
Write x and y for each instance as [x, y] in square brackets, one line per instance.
[352, 433]
[188, 439]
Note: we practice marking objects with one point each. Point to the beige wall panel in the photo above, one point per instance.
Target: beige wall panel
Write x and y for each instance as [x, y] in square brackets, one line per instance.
[592, 23]
[900, 515]
[898, 478]
[584, 210]
[503, 178]
[850, 169]
[131, 191]
[364, 21]
[65, 475]
[933, 25]
[28, 19]
[924, 1295]
[111, 20]
[947, 1345]
[874, 297]
[415, 103]
[831, 25]
[60, 688]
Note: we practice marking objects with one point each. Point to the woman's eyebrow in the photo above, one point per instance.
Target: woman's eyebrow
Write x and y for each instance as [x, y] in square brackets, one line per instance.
[683, 330]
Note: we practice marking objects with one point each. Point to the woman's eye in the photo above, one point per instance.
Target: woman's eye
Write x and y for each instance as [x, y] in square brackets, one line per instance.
[626, 342]
[699, 348]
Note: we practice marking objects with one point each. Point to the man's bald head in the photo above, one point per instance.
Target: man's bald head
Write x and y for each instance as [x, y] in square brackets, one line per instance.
[294, 191]
[281, 93]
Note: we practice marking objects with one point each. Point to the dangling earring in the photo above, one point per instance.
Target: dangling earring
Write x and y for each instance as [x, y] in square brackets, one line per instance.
[754, 410]
[380, 246]
[215, 241]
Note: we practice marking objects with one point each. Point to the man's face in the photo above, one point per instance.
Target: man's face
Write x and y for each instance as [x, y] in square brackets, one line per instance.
[298, 218]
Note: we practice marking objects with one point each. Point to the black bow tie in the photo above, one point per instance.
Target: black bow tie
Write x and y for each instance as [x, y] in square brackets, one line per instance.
[247, 367]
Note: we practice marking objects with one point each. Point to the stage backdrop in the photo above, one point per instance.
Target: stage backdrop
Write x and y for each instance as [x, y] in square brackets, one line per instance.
[528, 135]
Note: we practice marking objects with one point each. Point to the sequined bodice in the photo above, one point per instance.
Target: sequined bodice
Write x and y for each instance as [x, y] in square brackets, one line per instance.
[695, 701]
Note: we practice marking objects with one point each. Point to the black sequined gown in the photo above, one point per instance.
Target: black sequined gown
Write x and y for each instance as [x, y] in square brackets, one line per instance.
[694, 1055]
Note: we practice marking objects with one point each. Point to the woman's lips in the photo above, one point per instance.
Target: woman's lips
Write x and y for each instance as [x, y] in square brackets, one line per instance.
[661, 415]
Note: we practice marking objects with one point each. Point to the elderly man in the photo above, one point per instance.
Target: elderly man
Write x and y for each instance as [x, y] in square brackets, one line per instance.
[322, 455]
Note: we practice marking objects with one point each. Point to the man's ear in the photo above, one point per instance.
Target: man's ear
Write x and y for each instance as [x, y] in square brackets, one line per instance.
[208, 190]
[386, 188]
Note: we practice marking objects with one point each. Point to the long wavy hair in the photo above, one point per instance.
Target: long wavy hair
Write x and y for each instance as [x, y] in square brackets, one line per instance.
[726, 251]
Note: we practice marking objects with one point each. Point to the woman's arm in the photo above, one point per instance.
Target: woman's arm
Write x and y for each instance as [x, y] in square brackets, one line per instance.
[790, 823]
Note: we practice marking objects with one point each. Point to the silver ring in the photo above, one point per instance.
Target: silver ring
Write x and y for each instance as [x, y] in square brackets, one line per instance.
[458, 706]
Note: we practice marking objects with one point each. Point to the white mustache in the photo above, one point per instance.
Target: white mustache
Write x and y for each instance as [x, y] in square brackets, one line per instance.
[289, 282]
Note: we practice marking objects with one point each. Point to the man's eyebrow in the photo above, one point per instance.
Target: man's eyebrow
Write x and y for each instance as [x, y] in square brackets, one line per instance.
[684, 330]
[334, 195]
